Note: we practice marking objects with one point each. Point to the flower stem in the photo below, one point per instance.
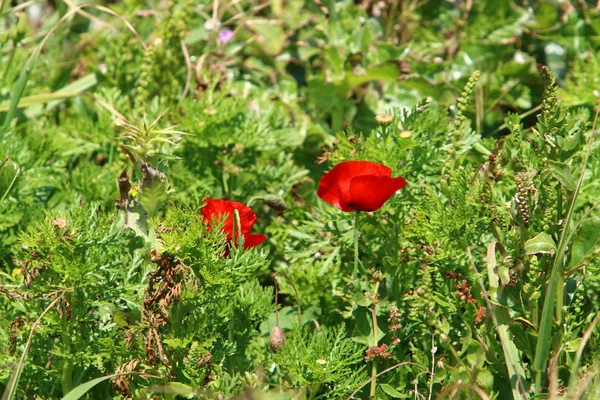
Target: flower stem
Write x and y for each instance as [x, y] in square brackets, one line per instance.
[375, 343]
[356, 244]
[236, 233]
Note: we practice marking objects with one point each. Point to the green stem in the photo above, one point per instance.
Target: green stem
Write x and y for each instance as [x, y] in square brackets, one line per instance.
[390, 20]
[9, 62]
[337, 120]
[356, 244]
[236, 231]
[67, 368]
[375, 343]
[298, 302]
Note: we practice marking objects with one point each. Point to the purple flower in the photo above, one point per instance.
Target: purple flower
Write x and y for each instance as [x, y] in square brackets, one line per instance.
[225, 35]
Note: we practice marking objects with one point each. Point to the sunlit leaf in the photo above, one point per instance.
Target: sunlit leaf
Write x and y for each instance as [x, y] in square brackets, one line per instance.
[542, 243]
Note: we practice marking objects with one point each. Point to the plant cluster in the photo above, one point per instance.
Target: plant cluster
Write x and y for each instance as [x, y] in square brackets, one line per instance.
[299, 199]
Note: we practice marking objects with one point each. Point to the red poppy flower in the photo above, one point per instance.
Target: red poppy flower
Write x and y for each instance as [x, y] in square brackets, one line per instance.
[359, 185]
[214, 208]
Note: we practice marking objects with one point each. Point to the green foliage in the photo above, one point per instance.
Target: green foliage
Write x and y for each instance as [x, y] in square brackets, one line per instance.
[87, 261]
[323, 361]
[479, 276]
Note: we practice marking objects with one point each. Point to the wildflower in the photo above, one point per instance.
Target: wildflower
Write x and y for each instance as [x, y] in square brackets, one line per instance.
[359, 186]
[464, 291]
[394, 326]
[452, 275]
[214, 208]
[377, 352]
[480, 316]
[225, 35]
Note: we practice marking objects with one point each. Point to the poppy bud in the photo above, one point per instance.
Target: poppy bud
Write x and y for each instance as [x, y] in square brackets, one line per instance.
[276, 339]
[275, 203]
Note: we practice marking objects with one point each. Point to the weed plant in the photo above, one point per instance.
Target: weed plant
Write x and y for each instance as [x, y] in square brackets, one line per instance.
[120, 119]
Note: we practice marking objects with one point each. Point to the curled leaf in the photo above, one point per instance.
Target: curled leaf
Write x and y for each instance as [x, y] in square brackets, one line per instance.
[542, 243]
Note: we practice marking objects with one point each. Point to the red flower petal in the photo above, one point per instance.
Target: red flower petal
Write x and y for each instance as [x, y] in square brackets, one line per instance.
[217, 207]
[214, 210]
[253, 240]
[341, 188]
[368, 193]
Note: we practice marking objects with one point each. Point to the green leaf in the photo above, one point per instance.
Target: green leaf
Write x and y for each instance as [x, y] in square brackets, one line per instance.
[512, 357]
[504, 274]
[390, 391]
[71, 90]
[508, 31]
[585, 241]
[154, 197]
[542, 243]
[427, 88]
[175, 388]
[9, 172]
[15, 97]
[492, 263]
[562, 173]
[546, 15]
[387, 71]
[270, 35]
[485, 378]
[87, 386]
[363, 330]
[13, 382]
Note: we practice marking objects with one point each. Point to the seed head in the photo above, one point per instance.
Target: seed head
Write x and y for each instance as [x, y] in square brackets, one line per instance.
[277, 339]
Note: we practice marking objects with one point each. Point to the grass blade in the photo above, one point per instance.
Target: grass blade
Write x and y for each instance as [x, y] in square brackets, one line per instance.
[85, 387]
[9, 172]
[11, 387]
[554, 294]
[501, 319]
[17, 93]
[573, 382]
[19, 87]
[73, 89]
